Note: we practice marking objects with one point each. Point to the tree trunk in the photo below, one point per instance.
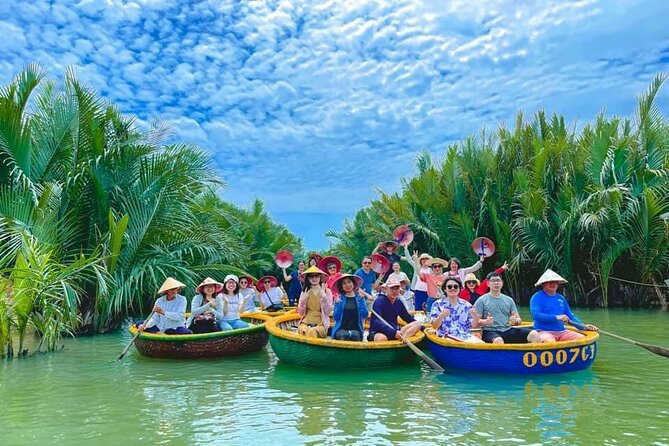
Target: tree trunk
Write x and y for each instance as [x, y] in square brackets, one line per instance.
[662, 298]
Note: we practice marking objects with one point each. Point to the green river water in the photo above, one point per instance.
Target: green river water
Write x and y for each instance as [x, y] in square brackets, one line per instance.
[83, 396]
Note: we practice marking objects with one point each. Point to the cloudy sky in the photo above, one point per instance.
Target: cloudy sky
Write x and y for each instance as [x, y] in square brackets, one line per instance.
[311, 106]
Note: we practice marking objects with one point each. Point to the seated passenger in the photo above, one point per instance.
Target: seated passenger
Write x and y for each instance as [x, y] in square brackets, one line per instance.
[389, 307]
[501, 313]
[434, 280]
[314, 304]
[450, 315]
[473, 289]
[332, 266]
[248, 293]
[205, 307]
[350, 309]
[233, 304]
[270, 295]
[169, 311]
[551, 311]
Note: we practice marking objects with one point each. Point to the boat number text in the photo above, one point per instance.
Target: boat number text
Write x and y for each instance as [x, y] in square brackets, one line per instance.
[546, 358]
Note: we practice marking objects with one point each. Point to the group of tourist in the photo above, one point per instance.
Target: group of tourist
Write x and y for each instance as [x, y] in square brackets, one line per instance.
[458, 305]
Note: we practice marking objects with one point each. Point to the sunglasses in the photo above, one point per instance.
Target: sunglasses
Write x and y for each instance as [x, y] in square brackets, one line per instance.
[471, 281]
[366, 263]
[396, 287]
[437, 266]
[453, 287]
[332, 268]
[266, 281]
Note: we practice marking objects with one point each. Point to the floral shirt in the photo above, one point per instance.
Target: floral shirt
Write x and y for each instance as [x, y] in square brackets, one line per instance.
[458, 322]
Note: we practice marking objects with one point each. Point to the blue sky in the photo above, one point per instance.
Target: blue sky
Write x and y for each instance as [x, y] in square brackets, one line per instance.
[312, 106]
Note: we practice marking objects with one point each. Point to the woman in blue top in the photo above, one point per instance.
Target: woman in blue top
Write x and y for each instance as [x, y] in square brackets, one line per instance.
[350, 309]
[294, 283]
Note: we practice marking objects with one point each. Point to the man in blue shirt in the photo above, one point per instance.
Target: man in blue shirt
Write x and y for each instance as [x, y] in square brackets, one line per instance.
[369, 278]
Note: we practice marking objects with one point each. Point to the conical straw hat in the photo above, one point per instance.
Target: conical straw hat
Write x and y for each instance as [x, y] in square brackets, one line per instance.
[169, 284]
[550, 276]
[315, 270]
[218, 286]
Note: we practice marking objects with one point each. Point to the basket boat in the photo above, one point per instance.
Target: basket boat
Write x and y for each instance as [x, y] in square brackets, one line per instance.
[293, 348]
[206, 345]
[542, 358]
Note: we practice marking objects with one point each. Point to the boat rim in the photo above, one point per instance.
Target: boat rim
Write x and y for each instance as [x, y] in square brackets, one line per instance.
[204, 336]
[589, 338]
[274, 330]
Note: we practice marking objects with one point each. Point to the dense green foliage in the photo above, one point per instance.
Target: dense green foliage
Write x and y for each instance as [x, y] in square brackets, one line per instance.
[590, 203]
[95, 213]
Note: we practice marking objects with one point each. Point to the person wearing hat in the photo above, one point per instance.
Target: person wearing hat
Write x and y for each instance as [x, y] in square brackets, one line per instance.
[501, 316]
[294, 284]
[350, 309]
[434, 281]
[389, 248]
[248, 292]
[270, 295]
[315, 304]
[474, 289]
[168, 311]
[550, 310]
[233, 304]
[456, 270]
[398, 274]
[388, 306]
[332, 267]
[451, 316]
[205, 307]
[313, 259]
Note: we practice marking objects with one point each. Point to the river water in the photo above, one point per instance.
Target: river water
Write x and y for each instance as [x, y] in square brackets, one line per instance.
[83, 396]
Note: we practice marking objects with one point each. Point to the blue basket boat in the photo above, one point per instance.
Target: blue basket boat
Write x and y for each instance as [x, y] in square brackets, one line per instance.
[525, 359]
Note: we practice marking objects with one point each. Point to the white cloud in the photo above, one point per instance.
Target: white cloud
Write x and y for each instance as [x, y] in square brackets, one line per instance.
[320, 102]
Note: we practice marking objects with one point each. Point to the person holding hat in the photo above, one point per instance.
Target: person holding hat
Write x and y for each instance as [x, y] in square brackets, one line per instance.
[474, 289]
[315, 304]
[501, 316]
[350, 309]
[388, 306]
[294, 284]
[451, 316]
[434, 281]
[168, 311]
[456, 270]
[233, 304]
[389, 248]
[550, 310]
[247, 291]
[205, 307]
[270, 295]
[421, 266]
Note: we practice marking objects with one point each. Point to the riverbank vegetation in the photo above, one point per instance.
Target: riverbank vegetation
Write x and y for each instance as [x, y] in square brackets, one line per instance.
[591, 202]
[96, 212]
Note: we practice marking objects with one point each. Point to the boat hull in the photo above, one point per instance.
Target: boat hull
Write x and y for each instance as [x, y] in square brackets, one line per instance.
[525, 359]
[202, 346]
[292, 348]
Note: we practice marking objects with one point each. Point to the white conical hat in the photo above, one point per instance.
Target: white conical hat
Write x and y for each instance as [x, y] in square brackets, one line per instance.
[169, 284]
[550, 276]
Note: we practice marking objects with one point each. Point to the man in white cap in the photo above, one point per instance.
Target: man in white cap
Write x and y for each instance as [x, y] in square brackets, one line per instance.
[169, 311]
[389, 307]
[551, 311]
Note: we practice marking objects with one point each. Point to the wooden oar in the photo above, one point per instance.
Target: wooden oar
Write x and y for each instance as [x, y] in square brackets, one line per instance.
[651, 348]
[429, 361]
[132, 341]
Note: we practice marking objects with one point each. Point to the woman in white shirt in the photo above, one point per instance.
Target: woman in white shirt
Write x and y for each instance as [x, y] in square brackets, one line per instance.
[233, 304]
[270, 295]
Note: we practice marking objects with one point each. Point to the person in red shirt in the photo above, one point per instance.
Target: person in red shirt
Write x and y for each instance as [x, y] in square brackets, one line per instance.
[474, 289]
